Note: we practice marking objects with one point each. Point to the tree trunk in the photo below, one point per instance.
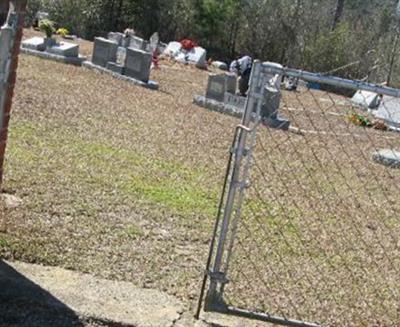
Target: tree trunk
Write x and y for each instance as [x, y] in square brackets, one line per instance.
[393, 56]
[338, 13]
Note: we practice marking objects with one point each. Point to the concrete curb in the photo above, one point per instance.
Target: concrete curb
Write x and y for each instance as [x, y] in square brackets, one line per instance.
[149, 85]
[30, 292]
[54, 57]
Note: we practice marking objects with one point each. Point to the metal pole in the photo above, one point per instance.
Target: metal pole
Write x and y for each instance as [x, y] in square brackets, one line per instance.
[10, 39]
[235, 180]
[330, 80]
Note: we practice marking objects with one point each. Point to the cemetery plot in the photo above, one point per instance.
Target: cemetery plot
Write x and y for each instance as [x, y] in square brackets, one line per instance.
[53, 50]
[221, 95]
[120, 174]
[125, 57]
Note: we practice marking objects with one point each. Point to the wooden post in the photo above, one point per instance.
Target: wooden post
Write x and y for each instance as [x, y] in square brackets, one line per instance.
[10, 40]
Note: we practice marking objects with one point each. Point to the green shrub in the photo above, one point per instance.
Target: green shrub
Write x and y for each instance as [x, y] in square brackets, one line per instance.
[47, 27]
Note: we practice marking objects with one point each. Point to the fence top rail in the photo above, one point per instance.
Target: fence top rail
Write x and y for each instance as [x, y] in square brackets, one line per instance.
[273, 68]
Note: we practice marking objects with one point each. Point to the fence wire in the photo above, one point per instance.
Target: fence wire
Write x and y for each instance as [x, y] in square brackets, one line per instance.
[318, 239]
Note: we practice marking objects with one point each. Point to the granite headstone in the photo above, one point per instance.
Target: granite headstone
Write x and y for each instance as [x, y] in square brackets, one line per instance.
[138, 64]
[104, 51]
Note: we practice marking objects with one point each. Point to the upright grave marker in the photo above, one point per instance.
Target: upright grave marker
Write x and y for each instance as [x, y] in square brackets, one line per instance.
[138, 64]
[104, 51]
[218, 85]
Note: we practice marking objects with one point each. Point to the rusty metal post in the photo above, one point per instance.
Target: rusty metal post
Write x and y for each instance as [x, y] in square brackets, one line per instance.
[10, 40]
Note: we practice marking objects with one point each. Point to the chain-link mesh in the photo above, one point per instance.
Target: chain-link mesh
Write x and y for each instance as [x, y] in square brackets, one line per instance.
[318, 239]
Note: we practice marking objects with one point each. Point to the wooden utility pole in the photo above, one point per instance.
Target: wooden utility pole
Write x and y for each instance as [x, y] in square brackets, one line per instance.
[10, 40]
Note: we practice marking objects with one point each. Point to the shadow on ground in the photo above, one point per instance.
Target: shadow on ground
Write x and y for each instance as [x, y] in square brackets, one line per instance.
[23, 303]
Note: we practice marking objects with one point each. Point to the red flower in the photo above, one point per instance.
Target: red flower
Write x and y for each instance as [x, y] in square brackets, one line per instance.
[188, 44]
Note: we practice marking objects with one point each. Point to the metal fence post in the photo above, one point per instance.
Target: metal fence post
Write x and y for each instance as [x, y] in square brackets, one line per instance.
[254, 100]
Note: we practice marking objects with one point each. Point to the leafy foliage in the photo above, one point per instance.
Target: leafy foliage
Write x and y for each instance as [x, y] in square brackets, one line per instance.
[47, 27]
[320, 35]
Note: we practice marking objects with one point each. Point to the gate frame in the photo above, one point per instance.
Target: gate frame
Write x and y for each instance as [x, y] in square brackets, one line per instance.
[236, 179]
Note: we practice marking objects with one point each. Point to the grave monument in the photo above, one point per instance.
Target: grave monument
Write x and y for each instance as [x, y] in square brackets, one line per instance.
[124, 56]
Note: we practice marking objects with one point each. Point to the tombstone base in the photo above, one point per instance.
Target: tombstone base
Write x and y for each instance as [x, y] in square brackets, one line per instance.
[214, 105]
[277, 123]
[387, 157]
[77, 61]
[152, 85]
[211, 104]
[116, 68]
[65, 49]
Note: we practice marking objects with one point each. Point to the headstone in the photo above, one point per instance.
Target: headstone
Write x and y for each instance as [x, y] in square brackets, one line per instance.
[387, 157]
[389, 111]
[121, 55]
[272, 100]
[35, 43]
[137, 64]
[270, 107]
[173, 48]
[138, 43]
[65, 49]
[146, 46]
[365, 99]
[218, 85]
[41, 15]
[117, 37]
[104, 51]
[115, 67]
[220, 65]
[126, 41]
[291, 83]
[235, 100]
[198, 56]
[154, 40]
[181, 57]
[162, 47]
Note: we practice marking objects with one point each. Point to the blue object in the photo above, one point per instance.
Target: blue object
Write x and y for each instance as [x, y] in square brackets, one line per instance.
[314, 85]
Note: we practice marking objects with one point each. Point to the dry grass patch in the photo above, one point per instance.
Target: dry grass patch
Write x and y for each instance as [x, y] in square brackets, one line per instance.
[123, 182]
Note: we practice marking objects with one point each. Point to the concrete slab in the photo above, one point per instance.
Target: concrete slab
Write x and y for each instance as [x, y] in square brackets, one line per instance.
[65, 49]
[387, 157]
[34, 43]
[57, 293]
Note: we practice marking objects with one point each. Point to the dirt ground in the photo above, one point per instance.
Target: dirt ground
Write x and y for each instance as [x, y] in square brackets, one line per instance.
[123, 182]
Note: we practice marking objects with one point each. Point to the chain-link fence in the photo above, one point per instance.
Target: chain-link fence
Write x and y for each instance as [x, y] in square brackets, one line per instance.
[309, 227]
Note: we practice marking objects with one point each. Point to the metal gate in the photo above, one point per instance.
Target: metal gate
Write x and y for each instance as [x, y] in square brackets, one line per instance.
[308, 229]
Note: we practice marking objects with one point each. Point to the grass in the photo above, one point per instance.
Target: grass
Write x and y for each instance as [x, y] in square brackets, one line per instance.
[160, 182]
[124, 183]
[134, 231]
